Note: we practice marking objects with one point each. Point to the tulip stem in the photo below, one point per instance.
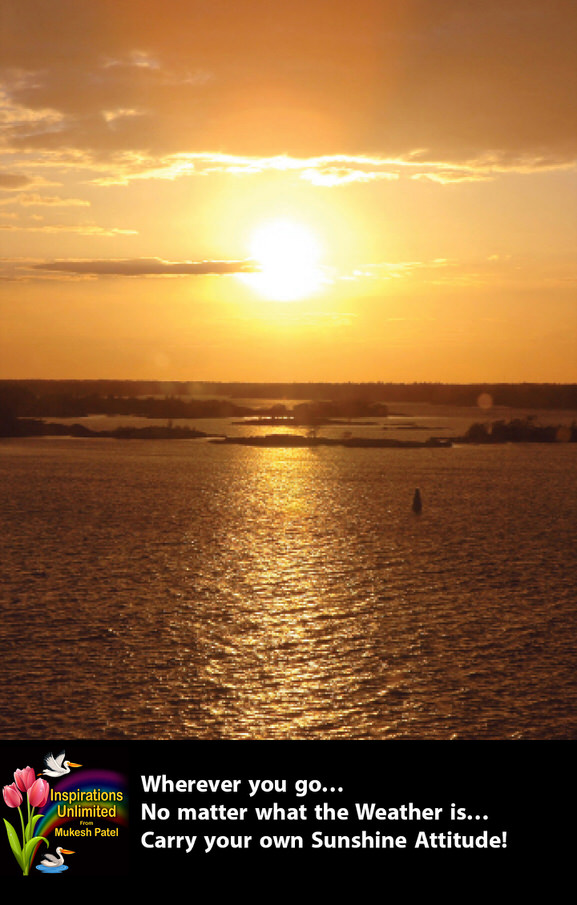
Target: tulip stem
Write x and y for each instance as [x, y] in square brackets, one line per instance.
[26, 867]
[22, 824]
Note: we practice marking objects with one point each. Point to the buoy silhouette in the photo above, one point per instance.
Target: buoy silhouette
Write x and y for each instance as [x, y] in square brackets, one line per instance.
[417, 502]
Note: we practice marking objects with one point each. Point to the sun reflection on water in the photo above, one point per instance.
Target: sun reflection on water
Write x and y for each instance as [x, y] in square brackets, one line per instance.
[294, 585]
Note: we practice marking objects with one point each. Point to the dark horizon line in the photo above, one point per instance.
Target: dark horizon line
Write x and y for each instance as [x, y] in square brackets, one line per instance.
[480, 384]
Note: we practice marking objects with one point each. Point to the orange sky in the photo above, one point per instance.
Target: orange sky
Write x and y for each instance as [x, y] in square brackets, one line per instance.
[209, 190]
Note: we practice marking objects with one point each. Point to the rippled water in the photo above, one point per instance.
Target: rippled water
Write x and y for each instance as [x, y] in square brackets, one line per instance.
[186, 590]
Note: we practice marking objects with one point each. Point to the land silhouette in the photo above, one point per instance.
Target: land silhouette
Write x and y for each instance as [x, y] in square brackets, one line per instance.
[27, 407]
[114, 396]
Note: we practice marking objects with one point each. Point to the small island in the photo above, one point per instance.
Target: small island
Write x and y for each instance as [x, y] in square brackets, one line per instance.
[519, 430]
[311, 439]
[35, 427]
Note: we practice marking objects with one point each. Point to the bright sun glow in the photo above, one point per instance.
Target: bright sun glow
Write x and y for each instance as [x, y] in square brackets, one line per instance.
[287, 254]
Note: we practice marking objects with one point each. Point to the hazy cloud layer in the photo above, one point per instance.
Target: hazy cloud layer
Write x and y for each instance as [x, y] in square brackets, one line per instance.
[35, 199]
[459, 79]
[84, 229]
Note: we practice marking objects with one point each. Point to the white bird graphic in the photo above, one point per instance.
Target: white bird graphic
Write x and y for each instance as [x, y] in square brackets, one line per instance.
[53, 861]
[57, 766]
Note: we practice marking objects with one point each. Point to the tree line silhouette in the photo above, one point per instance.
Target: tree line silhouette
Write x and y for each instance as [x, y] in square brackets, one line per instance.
[26, 404]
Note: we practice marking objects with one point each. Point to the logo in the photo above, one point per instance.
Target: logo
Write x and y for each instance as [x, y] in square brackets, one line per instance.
[62, 802]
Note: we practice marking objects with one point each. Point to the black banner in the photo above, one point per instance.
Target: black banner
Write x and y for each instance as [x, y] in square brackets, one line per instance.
[159, 808]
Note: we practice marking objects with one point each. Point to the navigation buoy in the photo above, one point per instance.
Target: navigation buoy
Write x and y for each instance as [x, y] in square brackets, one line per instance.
[417, 502]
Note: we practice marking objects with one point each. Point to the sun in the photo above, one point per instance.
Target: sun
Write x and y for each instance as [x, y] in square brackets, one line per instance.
[287, 255]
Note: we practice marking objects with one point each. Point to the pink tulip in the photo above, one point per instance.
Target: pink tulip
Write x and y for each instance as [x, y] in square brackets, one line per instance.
[38, 793]
[12, 795]
[24, 778]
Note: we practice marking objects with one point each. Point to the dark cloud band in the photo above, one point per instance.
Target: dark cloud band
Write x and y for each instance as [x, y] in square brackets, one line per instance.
[148, 267]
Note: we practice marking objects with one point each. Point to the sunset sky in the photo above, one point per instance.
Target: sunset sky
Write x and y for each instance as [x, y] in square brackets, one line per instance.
[260, 190]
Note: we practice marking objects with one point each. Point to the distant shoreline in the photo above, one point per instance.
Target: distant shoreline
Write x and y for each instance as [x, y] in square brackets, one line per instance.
[298, 440]
[521, 395]
[480, 434]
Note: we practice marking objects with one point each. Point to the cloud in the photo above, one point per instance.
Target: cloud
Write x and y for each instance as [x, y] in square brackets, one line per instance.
[83, 229]
[334, 176]
[111, 117]
[14, 181]
[33, 199]
[147, 267]
[21, 119]
[458, 78]
[140, 59]
[326, 171]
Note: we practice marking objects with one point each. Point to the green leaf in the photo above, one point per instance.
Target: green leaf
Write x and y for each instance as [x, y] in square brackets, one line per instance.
[30, 846]
[31, 824]
[14, 843]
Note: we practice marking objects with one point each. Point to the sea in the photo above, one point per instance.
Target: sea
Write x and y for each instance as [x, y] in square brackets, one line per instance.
[189, 589]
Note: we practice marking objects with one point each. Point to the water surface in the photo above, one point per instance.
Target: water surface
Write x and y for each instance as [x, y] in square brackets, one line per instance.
[167, 590]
